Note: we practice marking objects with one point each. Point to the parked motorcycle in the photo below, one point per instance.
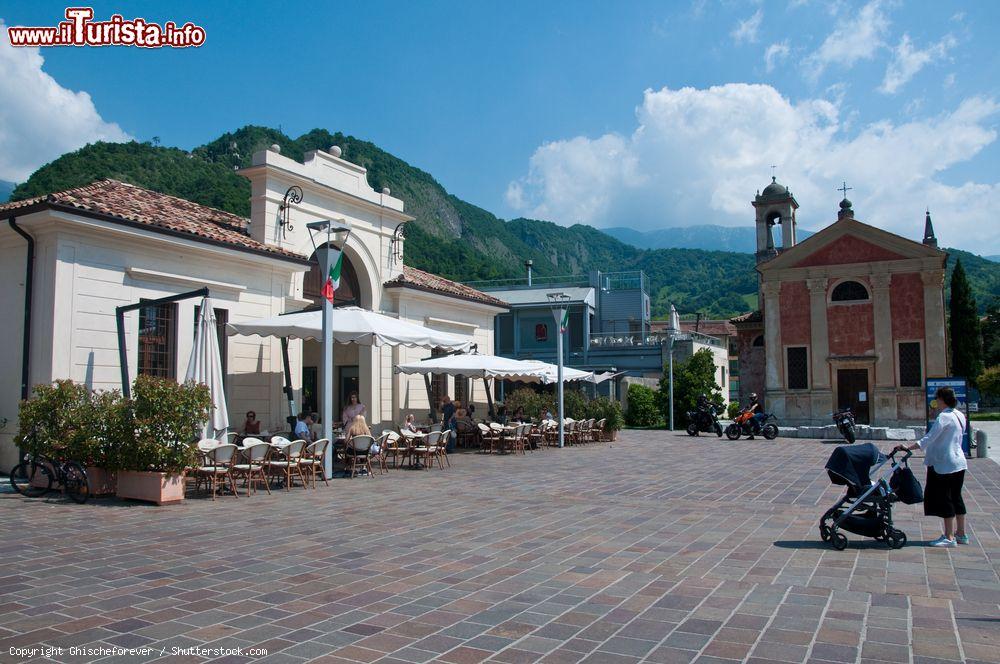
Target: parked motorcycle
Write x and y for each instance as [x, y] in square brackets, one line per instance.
[746, 425]
[844, 418]
[705, 419]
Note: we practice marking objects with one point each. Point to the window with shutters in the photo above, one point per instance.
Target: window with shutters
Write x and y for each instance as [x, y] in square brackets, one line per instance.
[798, 368]
[158, 340]
[910, 364]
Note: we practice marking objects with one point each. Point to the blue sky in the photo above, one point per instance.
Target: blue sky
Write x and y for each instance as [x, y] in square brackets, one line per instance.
[647, 114]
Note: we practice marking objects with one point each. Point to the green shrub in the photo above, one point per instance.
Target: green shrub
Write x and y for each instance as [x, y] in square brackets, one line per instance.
[574, 403]
[607, 409]
[733, 409]
[989, 381]
[642, 408]
[66, 420]
[166, 418]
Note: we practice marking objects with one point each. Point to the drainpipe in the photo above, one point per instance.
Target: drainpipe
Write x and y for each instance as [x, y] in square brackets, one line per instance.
[29, 269]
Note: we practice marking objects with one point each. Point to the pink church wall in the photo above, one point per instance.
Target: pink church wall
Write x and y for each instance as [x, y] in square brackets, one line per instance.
[794, 301]
[907, 303]
[851, 328]
[848, 249]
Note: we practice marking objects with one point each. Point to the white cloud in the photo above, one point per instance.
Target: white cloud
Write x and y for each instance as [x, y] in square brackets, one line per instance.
[698, 155]
[746, 31]
[775, 53]
[908, 60]
[858, 37]
[40, 119]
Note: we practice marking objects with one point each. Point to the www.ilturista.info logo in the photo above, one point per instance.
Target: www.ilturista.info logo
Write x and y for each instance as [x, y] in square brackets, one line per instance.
[79, 29]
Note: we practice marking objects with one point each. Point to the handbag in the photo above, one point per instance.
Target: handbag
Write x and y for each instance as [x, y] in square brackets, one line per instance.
[906, 486]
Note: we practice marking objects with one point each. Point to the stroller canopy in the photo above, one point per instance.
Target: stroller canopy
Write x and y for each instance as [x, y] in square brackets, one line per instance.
[850, 464]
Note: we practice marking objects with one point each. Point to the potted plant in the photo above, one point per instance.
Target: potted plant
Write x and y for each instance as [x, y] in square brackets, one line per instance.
[161, 421]
[611, 412]
[67, 421]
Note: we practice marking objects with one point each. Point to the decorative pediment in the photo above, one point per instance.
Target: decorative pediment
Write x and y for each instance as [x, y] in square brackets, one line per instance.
[850, 241]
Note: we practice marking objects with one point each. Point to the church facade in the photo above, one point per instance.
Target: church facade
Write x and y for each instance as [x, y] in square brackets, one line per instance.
[853, 317]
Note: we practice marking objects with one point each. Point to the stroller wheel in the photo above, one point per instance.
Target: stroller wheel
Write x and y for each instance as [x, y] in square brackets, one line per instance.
[824, 532]
[839, 541]
[897, 539]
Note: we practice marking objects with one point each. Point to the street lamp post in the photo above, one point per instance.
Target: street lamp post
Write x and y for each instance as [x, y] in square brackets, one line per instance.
[559, 301]
[332, 231]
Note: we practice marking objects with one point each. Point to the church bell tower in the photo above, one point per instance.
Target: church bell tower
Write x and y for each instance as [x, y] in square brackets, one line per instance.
[774, 205]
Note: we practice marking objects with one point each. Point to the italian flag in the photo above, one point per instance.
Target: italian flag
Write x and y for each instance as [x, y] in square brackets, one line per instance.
[333, 279]
[564, 323]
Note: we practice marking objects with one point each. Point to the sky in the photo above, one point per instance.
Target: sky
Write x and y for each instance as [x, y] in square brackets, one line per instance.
[629, 113]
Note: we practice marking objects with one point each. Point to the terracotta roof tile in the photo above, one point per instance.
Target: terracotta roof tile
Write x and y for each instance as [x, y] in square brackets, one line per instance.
[419, 279]
[749, 317]
[129, 203]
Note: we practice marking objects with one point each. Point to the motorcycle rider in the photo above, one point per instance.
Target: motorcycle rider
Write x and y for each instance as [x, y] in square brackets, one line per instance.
[758, 414]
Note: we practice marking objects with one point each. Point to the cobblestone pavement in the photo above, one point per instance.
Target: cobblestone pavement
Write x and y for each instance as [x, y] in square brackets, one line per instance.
[656, 548]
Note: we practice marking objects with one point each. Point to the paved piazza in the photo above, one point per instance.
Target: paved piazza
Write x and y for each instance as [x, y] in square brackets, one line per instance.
[656, 548]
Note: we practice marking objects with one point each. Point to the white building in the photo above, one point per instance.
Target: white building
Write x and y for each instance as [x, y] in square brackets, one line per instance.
[110, 244]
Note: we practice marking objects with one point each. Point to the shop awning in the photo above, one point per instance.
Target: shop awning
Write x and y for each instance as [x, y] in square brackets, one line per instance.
[352, 325]
[474, 365]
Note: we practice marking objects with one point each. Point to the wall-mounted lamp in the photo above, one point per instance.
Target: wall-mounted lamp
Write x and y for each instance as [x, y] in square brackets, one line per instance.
[293, 196]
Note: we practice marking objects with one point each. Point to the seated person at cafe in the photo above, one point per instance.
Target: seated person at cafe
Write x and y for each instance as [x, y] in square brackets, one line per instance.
[251, 426]
[353, 408]
[302, 430]
[410, 424]
[519, 415]
[359, 427]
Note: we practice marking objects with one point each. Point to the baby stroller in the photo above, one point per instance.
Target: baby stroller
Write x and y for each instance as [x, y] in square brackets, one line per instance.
[866, 508]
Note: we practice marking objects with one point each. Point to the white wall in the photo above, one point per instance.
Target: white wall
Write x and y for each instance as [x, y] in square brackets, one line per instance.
[84, 269]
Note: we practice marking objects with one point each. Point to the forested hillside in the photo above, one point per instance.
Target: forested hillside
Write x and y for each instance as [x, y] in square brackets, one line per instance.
[449, 237]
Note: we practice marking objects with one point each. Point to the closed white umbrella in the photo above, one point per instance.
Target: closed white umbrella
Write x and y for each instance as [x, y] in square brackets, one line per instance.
[205, 367]
[352, 325]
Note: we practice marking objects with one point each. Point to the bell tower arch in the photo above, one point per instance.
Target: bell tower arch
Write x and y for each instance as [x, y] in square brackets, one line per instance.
[775, 205]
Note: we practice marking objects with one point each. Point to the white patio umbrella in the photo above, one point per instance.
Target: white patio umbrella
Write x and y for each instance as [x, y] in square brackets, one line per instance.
[549, 373]
[205, 367]
[475, 365]
[352, 325]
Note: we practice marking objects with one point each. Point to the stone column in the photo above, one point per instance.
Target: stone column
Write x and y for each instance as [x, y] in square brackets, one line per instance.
[885, 372]
[787, 233]
[935, 347]
[819, 335]
[772, 336]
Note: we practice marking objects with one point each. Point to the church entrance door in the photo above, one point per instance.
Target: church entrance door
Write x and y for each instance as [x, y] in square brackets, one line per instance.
[853, 393]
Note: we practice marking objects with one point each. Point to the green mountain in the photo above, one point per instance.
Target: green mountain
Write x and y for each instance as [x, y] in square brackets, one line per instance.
[449, 237]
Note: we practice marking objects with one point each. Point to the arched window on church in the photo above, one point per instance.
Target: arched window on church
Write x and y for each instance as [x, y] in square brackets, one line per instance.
[849, 291]
[758, 341]
[346, 294]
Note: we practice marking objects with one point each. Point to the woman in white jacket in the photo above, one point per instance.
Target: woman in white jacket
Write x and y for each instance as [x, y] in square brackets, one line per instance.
[946, 466]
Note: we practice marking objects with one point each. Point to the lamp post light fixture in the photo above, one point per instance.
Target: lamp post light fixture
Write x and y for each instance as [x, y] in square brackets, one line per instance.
[330, 234]
[559, 302]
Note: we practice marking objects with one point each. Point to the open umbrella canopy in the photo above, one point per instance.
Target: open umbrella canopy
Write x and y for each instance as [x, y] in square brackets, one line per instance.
[492, 366]
[205, 367]
[352, 325]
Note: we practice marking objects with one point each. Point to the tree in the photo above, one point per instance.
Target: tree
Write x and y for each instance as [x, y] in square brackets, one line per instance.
[991, 334]
[966, 342]
[642, 410]
[989, 382]
[692, 377]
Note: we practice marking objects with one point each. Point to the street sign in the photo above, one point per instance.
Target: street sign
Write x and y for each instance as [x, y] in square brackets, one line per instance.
[961, 387]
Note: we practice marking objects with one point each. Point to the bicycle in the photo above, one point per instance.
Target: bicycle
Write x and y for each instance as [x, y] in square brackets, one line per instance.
[34, 476]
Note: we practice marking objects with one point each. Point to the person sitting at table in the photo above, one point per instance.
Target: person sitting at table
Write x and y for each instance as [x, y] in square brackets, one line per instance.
[353, 408]
[251, 426]
[410, 424]
[302, 430]
[359, 427]
[519, 415]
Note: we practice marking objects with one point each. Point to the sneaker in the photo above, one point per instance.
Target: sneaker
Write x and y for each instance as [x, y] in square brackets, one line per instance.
[962, 539]
[943, 542]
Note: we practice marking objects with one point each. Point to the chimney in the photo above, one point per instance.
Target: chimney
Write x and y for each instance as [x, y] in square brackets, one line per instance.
[527, 264]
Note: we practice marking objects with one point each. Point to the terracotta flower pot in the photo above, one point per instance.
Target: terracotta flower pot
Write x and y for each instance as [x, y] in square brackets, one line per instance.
[159, 488]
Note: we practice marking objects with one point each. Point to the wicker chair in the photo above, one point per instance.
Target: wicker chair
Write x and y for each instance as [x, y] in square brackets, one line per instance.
[283, 460]
[314, 459]
[219, 465]
[250, 465]
[358, 455]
